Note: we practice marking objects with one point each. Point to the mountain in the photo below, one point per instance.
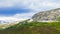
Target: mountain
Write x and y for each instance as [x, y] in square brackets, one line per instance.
[4, 22]
[28, 26]
[7, 23]
[42, 16]
[49, 15]
[33, 28]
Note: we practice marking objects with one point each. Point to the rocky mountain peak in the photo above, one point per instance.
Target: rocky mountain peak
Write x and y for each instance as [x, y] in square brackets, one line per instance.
[49, 15]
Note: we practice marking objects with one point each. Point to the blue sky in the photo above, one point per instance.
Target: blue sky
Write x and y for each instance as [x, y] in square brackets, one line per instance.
[24, 9]
[13, 11]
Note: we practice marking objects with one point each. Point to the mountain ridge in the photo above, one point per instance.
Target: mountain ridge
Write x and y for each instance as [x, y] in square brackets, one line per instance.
[49, 15]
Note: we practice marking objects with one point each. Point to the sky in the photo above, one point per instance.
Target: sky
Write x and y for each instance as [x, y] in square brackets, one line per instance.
[24, 9]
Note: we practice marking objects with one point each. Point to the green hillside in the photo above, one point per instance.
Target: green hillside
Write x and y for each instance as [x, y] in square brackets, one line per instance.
[33, 28]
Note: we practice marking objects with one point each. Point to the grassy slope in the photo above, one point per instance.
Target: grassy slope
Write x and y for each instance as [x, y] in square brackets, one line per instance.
[33, 28]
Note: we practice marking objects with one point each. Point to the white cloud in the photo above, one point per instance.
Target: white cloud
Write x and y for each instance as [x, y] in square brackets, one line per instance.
[8, 3]
[30, 4]
[38, 4]
[24, 16]
[17, 17]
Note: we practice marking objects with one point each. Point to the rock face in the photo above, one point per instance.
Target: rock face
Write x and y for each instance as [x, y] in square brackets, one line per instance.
[49, 15]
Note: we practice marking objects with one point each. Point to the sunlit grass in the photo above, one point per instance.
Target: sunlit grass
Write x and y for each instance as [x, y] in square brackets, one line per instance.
[33, 28]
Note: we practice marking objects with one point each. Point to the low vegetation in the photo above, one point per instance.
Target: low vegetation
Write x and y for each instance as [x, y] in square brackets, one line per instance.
[33, 28]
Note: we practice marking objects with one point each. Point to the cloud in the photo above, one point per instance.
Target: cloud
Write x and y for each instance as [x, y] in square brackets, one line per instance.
[17, 17]
[30, 4]
[24, 16]
[39, 4]
[8, 3]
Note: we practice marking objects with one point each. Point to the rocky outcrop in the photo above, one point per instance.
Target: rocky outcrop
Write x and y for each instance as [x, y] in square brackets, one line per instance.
[49, 15]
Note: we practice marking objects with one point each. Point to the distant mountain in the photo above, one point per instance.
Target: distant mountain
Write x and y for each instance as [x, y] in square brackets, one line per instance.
[3, 22]
[49, 15]
[6, 21]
